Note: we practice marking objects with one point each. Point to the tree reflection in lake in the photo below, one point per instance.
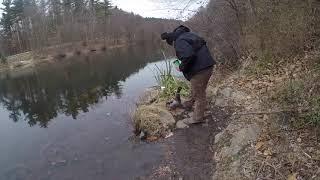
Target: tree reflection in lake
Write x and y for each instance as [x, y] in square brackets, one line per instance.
[71, 86]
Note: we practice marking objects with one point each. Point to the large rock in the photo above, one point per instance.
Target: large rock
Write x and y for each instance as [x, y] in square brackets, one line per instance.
[231, 145]
[240, 139]
[154, 120]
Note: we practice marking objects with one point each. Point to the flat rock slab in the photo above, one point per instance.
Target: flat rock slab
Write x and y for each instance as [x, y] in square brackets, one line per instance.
[181, 125]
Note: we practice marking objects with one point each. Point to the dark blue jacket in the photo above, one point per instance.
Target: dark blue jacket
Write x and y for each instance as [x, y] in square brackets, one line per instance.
[193, 52]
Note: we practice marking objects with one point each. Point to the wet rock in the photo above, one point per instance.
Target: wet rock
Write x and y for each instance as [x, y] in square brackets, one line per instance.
[181, 125]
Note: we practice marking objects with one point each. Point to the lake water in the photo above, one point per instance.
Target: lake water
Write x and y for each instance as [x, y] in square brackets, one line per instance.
[71, 120]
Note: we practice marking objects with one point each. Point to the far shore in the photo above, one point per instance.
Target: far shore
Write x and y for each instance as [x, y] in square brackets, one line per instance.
[31, 59]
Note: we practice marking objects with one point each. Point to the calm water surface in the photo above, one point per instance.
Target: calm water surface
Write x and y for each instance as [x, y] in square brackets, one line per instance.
[71, 120]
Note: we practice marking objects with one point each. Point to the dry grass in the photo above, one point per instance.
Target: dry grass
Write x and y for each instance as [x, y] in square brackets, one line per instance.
[280, 153]
[153, 119]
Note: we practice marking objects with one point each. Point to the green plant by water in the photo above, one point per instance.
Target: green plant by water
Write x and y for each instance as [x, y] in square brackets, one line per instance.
[168, 82]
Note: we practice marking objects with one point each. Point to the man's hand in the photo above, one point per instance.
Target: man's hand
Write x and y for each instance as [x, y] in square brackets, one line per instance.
[186, 64]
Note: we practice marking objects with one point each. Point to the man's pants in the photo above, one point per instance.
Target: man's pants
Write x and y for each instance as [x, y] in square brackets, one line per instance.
[199, 83]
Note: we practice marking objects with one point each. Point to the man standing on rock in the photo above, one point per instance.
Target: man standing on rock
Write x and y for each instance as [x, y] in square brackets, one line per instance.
[196, 66]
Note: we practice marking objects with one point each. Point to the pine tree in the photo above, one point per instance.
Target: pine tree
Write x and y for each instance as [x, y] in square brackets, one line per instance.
[7, 19]
[18, 10]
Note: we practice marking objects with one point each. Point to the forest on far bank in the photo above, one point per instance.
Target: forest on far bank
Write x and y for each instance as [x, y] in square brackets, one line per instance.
[34, 25]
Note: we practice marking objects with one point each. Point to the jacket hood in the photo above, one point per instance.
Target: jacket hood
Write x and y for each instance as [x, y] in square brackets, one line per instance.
[171, 37]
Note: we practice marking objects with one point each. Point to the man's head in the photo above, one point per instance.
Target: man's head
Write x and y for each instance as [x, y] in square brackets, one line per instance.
[172, 36]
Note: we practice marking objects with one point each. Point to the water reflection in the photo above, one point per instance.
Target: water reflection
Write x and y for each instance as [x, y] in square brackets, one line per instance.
[71, 86]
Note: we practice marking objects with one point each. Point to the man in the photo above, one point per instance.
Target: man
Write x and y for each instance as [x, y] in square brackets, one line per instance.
[196, 66]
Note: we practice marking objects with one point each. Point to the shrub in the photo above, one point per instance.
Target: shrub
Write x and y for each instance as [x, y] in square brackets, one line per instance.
[313, 116]
[303, 98]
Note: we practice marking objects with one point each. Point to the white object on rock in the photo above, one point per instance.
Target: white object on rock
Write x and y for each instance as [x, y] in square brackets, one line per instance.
[169, 135]
[142, 135]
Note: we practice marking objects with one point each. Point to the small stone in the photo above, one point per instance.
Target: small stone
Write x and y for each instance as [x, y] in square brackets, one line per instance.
[181, 125]
[299, 140]
[267, 152]
[142, 135]
[108, 114]
[265, 117]
[106, 138]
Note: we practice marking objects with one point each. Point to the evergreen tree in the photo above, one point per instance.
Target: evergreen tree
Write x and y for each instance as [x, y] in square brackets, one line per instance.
[102, 8]
[18, 10]
[7, 19]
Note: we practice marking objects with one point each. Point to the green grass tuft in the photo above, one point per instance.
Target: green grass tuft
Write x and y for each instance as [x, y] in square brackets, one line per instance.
[169, 82]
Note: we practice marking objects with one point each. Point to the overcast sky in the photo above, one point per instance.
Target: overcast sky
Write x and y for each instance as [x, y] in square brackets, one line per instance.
[175, 9]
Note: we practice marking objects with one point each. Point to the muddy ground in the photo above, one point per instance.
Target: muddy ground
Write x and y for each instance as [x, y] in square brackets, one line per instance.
[190, 152]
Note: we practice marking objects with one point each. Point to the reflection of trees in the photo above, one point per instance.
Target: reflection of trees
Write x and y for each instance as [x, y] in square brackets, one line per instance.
[69, 88]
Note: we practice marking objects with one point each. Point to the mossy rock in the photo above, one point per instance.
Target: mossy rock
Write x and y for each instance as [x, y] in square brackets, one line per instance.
[154, 120]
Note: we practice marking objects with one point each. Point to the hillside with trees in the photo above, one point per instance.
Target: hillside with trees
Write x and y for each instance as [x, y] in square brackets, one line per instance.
[268, 77]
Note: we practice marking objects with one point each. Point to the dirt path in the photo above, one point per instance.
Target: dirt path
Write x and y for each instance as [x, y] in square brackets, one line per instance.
[189, 151]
